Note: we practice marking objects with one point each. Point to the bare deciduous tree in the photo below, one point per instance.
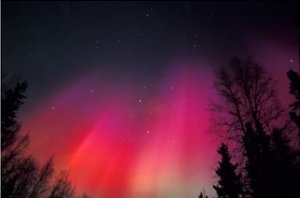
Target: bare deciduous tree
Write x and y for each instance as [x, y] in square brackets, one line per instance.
[248, 95]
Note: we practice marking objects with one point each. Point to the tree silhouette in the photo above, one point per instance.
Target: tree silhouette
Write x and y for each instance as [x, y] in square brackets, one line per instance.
[62, 187]
[16, 171]
[248, 96]
[251, 111]
[270, 164]
[229, 184]
[20, 180]
[40, 185]
[294, 88]
[202, 195]
[259, 162]
[21, 176]
[294, 78]
[285, 167]
[11, 99]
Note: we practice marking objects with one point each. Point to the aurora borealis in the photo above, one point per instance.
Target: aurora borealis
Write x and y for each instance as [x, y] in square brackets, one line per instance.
[128, 140]
[137, 146]
[119, 93]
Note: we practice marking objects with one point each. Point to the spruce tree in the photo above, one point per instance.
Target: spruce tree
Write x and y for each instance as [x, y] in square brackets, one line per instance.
[21, 176]
[294, 78]
[11, 99]
[201, 195]
[259, 166]
[229, 184]
[249, 98]
[287, 171]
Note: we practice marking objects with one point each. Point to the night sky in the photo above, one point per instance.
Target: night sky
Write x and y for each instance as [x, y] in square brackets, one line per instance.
[119, 91]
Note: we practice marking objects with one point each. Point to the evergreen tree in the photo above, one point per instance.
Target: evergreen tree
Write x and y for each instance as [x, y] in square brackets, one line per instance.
[20, 174]
[294, 78]
[40, 185]
[260, 174]
[11, 99]
[250, 99]
[294, 89]
[62, 187]
[17, 171]
[201, 195]
[229, 184]
[286, 170]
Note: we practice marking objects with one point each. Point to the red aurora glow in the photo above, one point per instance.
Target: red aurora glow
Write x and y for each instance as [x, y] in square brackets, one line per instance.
[117, 144]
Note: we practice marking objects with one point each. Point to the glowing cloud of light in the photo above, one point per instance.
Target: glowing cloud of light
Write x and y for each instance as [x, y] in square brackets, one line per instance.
[117, 144]
[119, 141]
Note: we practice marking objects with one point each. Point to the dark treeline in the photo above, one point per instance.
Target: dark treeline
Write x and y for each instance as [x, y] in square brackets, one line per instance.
[21, 174]
[268, 164]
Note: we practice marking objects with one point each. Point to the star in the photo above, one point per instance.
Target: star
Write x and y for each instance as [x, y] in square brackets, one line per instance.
[291, 60]
[53, 108]
[194, 45]
[147, 14]
[91, 91]
[147, 131]
[140, 101]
